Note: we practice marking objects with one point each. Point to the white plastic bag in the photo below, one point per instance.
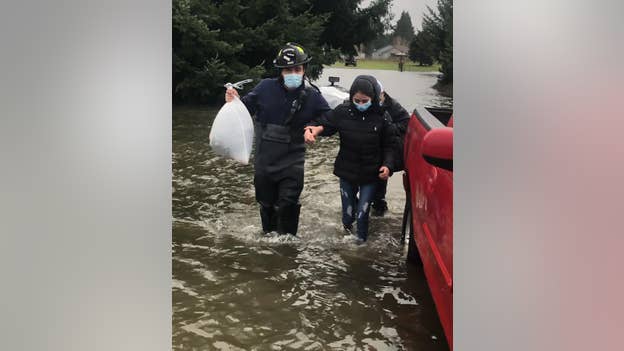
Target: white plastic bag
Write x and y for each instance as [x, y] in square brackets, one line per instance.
[333, 96]
[232, 132]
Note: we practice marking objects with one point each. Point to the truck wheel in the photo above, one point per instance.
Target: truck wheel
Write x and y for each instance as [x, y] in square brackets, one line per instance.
[413, 255]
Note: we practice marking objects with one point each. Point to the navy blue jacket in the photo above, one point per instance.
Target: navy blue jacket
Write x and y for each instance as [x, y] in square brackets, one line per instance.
[270, 102]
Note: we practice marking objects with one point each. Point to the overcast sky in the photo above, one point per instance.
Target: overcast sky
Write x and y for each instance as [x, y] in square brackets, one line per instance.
[415, 8]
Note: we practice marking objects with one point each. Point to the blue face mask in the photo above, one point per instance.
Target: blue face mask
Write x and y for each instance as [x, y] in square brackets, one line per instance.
[293, 80]
[363, 107]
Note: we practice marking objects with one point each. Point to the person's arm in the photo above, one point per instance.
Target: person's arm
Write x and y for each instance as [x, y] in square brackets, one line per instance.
[401, 122]
[401, 127]
[387, 141]
[329, 123]
[400, 116]
[250, 100]
[324, 125]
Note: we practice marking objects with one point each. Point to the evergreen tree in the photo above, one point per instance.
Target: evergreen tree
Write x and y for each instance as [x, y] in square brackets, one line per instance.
[404, 28]
[349, 25]
[203, 58]
[228, 40]
[437, 29]
[419, 51]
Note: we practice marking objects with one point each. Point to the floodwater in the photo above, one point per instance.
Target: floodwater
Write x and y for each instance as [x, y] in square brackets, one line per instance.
[235, 289]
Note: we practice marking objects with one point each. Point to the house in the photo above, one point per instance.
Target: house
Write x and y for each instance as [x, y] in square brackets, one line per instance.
[388, 51]
[360, 49]
[382, 53]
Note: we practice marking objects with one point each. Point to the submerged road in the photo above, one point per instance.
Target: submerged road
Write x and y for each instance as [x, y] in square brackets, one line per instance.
[235, 289]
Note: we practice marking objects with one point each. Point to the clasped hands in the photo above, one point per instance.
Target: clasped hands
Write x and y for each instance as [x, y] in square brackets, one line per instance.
[311, 132]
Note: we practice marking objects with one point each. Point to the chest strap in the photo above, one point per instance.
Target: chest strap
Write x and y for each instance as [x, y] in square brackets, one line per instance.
[296, 105]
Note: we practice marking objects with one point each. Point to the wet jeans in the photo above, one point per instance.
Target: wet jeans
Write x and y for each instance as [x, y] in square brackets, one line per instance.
[354, 209]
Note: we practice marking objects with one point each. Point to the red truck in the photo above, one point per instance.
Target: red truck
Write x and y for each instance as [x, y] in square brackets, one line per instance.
[428, 214]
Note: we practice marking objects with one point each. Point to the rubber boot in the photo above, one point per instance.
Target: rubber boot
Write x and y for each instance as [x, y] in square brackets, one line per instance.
[379, 208]
[268, 215]
[288, 219]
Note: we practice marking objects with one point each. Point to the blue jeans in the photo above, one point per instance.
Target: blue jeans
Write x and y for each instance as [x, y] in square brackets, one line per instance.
[361, 206]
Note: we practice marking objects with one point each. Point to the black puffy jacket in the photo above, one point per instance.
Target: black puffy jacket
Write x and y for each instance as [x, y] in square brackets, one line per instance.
[366, 141]
[400, 118]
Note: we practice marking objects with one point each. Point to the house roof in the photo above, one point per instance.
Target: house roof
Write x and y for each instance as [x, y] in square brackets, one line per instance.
[393, 49]
[383, 49]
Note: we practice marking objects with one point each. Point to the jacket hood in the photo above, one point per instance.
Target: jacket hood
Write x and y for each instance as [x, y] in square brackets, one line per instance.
[367, 85]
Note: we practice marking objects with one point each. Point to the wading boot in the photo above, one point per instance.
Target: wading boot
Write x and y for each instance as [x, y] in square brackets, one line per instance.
[379, 208]
[268, 215]
[288, 219]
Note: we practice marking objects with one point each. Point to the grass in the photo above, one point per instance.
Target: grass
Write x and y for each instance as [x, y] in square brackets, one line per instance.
[389, 65]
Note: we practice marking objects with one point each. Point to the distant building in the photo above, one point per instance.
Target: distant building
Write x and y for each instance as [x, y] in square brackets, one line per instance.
[383, 53]
[388, 51]
[360, 51]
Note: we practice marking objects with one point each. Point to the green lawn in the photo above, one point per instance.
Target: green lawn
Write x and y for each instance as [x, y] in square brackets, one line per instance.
[389, 65]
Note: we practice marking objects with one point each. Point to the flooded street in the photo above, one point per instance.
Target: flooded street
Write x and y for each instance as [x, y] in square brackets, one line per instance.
[235, 289]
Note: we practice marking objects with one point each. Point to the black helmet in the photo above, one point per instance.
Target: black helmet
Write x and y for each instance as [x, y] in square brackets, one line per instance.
[291, 55]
